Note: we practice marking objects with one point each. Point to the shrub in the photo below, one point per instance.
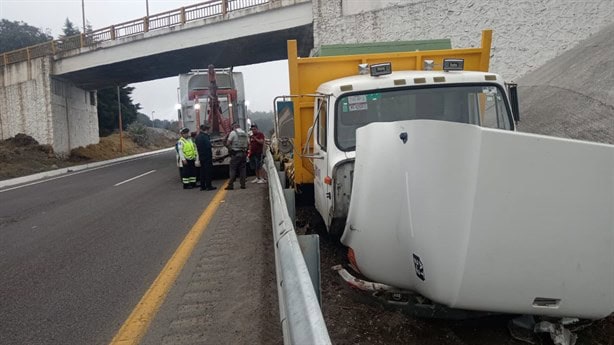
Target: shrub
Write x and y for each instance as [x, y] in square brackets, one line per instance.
[138, 133]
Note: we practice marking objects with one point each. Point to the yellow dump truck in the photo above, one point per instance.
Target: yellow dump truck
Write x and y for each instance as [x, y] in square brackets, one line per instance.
[416, 166]
[334, 95]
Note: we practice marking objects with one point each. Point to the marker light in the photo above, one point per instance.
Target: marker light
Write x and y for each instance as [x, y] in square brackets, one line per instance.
[328, 180]
[380, 69]
[428, 65]
[363, 69]
[453, 65]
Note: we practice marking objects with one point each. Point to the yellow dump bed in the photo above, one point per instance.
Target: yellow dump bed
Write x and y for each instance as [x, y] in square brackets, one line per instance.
[307, 74]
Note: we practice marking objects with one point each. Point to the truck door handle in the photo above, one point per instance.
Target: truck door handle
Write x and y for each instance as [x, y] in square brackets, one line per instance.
[313, 156]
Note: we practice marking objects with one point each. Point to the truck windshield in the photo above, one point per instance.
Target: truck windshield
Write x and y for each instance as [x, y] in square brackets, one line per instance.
[482, 105]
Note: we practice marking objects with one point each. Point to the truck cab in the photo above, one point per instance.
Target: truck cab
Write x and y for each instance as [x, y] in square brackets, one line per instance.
[346, 104]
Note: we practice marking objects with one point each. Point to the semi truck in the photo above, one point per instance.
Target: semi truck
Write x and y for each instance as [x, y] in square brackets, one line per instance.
[214, 96]
[416, 165]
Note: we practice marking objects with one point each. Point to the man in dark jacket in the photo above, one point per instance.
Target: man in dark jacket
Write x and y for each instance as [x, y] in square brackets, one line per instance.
[203, 145]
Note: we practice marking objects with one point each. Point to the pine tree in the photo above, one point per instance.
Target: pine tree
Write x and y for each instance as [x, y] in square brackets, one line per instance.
[69, 29]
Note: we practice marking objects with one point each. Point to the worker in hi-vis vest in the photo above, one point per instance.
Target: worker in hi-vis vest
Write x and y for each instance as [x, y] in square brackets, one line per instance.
[188, 155]
[237, 143]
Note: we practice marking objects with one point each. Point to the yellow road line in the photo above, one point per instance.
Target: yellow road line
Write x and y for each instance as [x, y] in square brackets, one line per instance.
[134, 328]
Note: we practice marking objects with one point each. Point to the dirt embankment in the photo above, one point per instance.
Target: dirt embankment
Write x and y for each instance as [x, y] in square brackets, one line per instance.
[22, 155]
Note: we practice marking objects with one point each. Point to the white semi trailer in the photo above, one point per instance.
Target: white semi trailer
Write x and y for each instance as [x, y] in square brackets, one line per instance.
[194, 109]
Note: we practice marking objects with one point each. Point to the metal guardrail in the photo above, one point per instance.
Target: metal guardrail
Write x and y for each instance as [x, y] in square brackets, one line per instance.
[300, 314]
[162, 20]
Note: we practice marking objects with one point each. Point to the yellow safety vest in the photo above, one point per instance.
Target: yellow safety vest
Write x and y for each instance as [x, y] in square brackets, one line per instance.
[189, 149]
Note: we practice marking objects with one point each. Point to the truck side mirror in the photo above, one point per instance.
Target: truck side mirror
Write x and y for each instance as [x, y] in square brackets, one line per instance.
[512, 89]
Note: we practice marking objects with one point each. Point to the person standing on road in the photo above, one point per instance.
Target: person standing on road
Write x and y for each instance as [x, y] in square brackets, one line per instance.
[256, 150]
[188, 156]
[197, 163]
[237, 144]
[203, 146]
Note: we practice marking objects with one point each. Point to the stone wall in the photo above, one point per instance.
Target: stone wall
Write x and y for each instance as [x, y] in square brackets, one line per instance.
[75, 117]
[526, 33]
[30, 104]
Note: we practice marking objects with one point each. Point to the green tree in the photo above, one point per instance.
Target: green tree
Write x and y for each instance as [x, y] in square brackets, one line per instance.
[70, 37]
[108, 114]
[69, 29]
[144, 119]
[16, 34]
[264, 120]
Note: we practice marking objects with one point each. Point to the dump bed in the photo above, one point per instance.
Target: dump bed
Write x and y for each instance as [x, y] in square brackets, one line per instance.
[306, 74]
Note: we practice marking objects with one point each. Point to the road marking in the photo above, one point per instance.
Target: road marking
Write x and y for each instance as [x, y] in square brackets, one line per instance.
[59, 177]
[135, 327]
[72, 173]
[134, 178]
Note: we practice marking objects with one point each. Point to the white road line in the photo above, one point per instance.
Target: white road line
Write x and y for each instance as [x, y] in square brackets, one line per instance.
[134, 178]
[82, 169]
[59, 177]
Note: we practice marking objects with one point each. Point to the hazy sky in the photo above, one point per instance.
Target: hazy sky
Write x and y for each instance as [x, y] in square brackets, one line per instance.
[160, 95]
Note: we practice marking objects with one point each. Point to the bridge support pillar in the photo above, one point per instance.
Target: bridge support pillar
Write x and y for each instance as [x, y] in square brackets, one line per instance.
[52, 111]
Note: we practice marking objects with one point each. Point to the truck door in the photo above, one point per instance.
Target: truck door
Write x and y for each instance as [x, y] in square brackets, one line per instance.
[322, 187]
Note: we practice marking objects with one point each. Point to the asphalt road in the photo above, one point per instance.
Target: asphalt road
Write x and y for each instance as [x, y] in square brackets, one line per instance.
[78, 252]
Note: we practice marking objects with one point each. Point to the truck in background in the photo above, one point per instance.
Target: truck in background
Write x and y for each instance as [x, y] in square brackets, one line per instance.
[215, 96]
[391, 146]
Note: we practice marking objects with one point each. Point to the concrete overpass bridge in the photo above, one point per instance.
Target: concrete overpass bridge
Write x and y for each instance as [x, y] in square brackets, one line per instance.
[48, 91]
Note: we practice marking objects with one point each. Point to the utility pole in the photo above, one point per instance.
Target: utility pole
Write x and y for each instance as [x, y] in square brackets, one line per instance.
[147, 7]
[153, 123]
[119, 106]
[83, 13]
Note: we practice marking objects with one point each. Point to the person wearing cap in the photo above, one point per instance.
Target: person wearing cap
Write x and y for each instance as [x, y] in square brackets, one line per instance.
[237, 143]
[203, 146]
[256, 150]
[188, 156]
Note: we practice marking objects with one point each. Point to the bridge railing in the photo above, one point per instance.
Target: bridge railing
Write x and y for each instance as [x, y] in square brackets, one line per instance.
[157, 21]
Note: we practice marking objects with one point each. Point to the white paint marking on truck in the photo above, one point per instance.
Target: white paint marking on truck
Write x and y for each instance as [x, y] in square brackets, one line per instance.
[134, 178]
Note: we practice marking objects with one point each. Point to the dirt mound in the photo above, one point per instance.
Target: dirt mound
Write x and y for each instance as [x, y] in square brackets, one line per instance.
[161, 137]
[22, 155]
[22, 140]
[570, 96]
[108, 148]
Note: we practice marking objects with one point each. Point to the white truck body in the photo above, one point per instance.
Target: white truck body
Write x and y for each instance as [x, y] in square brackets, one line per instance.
[198, 80]
[461, 208]
[470, 97]
[484, 219]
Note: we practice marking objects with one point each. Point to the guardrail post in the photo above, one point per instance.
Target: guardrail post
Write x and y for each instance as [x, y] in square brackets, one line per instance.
[112, 28]
[53, 47]
[145, 24]
[182, 15]
[82, 40]
[224, 7]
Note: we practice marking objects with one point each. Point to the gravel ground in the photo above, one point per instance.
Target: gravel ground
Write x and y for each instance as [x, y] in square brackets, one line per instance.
[353, 318]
